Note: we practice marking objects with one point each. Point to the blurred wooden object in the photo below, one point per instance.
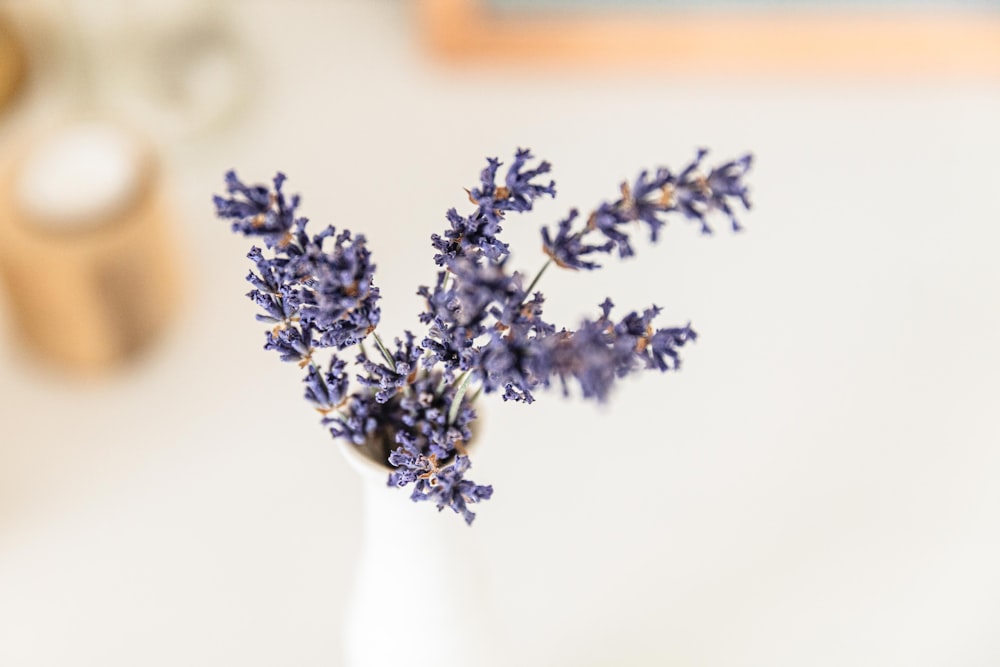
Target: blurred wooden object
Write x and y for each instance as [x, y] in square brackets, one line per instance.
[764, 40]
[89, 273]
[12, 64]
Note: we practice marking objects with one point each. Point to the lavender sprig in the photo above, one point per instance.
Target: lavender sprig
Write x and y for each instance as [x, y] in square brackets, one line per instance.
[485, 330]
[475, 237]
[652, 200]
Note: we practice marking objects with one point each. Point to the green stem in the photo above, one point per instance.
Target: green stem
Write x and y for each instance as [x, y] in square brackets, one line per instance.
[538, 276]
[456, 402]
[385, 353]
[440, 387]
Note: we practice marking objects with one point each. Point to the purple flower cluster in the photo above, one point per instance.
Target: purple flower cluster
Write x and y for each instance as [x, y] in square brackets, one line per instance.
[485, 329]
[316, 291]
[651, 200]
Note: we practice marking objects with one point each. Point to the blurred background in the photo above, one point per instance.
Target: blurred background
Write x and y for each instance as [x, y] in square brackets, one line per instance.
[817, 486]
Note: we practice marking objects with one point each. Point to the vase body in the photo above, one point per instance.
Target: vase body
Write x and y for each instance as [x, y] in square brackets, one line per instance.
[419, 597]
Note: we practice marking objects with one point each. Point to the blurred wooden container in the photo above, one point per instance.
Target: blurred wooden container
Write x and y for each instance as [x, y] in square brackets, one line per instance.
[12, 64]
[85, 249]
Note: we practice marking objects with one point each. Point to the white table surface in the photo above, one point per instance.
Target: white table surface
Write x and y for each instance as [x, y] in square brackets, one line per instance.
[818, 486]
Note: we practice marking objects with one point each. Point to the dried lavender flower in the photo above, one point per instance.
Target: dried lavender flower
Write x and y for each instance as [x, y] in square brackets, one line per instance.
[485, 330]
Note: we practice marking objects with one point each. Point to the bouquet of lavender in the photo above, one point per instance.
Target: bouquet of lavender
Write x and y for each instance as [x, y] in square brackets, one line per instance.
[411, 404]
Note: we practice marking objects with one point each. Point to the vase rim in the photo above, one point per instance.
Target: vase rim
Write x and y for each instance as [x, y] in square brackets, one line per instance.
[361, 462]
[367, 466]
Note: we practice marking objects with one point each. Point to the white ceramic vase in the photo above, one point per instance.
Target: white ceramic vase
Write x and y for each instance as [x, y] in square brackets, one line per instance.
[419, 597]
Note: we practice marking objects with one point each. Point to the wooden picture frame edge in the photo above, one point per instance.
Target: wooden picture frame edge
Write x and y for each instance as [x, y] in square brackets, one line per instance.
[888, 41]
